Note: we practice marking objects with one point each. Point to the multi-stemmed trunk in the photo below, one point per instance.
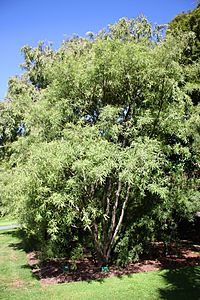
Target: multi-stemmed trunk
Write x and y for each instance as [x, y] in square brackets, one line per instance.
[105, 238]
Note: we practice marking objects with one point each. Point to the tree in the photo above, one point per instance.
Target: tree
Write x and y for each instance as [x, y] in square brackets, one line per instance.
[188, 22]
[108, 162]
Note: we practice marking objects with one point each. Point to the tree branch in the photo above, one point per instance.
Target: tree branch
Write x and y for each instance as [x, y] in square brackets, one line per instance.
[119, 223]
[113, 221]
[107, 208]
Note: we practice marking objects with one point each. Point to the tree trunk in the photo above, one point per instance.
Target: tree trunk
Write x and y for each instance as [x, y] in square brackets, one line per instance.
[118, 225]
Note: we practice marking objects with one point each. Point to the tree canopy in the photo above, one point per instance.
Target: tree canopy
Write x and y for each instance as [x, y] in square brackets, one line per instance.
[188, 22]
[108, 158]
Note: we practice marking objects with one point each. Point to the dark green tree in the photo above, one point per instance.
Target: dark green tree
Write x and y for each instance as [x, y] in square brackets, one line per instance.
[185, 23]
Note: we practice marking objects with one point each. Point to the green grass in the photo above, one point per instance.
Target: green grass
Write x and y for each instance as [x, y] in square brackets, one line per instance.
[7, 221]
[17, 282]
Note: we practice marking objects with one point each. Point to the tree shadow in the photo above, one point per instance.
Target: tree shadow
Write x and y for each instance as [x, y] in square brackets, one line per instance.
[53, 271]
[100, 280]
[21, 245]
[19, 234]
[183, 283]
[24, 243]
[9, 232]
[28, 267]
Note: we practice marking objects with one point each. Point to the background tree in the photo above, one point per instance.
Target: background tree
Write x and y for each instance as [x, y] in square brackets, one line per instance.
[188, 22]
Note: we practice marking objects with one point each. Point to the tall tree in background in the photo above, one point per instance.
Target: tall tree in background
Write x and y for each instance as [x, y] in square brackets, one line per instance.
[189, 24]
[185, 23]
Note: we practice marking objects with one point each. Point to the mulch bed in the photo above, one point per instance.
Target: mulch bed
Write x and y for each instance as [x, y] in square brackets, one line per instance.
[51, 271]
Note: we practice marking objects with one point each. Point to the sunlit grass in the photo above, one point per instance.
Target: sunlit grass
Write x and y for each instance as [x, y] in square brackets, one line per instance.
[17, 282]
[7, 220]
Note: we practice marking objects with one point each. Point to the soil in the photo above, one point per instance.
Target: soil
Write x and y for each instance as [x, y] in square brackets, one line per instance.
[53, 271]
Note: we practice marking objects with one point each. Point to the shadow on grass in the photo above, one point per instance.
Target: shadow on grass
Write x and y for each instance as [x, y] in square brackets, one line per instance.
[16, 233]
[51, 270]
[100, 280]
[21, 244]
[28, 267]
[9, 232]
[184, 283]
[24, 243]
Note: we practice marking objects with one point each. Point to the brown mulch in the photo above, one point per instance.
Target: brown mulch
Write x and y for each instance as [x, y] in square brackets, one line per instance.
[51, 271]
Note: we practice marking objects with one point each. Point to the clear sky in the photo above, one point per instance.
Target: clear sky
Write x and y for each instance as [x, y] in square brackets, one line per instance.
[28, 22]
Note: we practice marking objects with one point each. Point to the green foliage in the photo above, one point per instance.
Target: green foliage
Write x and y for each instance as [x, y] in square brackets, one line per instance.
[188, 22]
[109, 161]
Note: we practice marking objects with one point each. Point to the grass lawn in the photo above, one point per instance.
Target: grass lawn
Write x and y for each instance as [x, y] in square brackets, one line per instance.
[7, 221]
[17, 282]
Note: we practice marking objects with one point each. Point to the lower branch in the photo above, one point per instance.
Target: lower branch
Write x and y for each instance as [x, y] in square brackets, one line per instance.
[119, 223]
[114, 212]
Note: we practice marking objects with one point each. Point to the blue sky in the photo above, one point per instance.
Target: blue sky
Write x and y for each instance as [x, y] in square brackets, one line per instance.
[28, 22]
